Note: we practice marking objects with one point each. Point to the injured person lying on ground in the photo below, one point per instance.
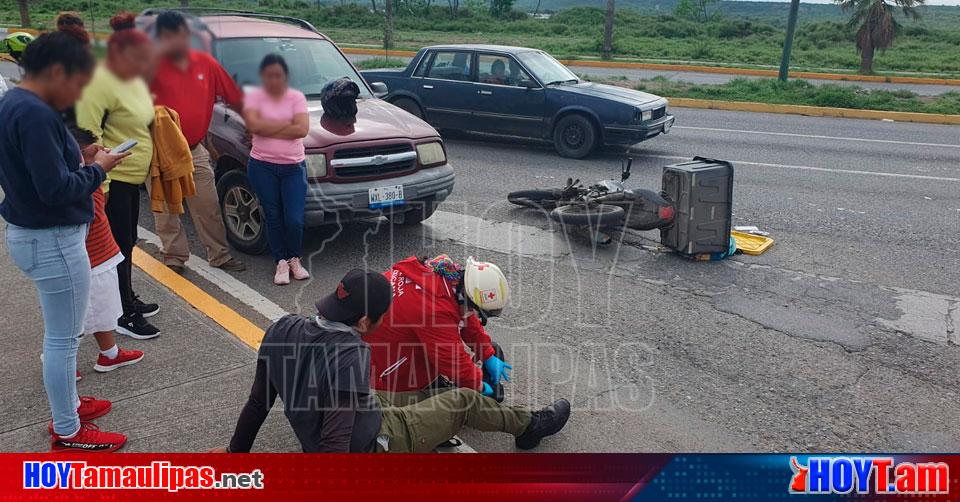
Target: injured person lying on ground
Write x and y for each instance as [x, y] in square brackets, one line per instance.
[420, 348]
[320, 368]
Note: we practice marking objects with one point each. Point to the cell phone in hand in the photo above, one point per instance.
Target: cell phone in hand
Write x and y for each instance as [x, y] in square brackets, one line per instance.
[125, 146]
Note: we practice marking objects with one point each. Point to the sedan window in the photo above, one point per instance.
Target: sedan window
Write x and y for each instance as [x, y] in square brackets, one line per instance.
[500, 70]
[547, 69]
[451, 66]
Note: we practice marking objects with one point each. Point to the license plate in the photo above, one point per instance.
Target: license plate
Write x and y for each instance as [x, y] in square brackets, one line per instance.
[386, 196]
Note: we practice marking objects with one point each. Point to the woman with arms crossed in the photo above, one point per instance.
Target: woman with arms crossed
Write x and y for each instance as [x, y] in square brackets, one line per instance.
[277, 117]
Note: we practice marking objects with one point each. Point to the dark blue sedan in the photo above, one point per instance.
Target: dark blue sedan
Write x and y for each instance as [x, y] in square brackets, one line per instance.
[521, 92]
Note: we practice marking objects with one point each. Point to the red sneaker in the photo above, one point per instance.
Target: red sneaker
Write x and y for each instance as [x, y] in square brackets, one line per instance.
[90, 408]
[89, 439]
[124, 358]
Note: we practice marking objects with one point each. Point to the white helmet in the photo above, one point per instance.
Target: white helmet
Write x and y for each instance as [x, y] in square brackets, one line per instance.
[485, 285]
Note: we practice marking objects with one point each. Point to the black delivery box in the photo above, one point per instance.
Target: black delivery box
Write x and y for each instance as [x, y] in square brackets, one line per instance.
[702, 190]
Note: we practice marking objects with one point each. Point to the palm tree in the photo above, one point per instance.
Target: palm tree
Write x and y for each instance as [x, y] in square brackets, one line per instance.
[877, 24]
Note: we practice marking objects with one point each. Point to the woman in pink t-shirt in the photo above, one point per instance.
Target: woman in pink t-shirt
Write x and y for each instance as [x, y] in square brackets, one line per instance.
[277, 117]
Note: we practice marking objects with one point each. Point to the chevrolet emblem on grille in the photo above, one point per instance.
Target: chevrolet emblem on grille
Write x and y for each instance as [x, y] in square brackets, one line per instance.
[378, 160]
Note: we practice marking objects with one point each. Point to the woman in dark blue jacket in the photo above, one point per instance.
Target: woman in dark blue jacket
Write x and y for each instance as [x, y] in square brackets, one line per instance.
[48, 206]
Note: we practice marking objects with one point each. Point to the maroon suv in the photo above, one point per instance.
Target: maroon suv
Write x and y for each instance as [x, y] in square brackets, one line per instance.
[387, 162]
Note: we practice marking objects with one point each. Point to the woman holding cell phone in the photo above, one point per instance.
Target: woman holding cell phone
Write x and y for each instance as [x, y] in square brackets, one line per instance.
[48, 207]
[117, 107]
[277, 118]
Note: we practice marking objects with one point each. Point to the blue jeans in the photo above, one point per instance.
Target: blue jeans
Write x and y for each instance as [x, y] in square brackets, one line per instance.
[282, 192]
[56, 260]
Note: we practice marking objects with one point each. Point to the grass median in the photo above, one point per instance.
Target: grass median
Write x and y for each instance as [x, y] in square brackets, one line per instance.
[798, 92]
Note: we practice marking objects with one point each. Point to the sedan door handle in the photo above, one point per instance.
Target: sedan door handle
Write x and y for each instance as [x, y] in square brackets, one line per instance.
[425, 86]
[485, 93]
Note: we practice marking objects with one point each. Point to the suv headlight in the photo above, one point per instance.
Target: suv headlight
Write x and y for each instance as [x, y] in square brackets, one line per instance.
[642, 115]
[431, 154]
[316, 165]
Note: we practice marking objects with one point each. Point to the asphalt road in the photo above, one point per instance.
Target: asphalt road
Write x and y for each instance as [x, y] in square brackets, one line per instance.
[719, 78]
[841, 337]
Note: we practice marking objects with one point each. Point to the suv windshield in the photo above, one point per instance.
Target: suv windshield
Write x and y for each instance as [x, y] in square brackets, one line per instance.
[545, 68]
[312, 62]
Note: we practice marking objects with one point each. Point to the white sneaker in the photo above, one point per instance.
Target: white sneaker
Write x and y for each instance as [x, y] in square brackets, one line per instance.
[282, 277]
[296, 268]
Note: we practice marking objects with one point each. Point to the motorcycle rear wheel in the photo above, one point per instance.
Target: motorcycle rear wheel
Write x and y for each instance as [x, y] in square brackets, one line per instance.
[545, 199]
[593, 215]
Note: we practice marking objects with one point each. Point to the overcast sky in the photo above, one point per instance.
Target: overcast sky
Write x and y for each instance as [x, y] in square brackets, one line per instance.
[928, 2]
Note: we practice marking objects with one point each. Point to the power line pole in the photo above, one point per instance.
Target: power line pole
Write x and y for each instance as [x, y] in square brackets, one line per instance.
[607, 49]
[788, 43]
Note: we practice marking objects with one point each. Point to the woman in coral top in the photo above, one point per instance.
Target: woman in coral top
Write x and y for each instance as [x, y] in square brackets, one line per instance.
[277, 118]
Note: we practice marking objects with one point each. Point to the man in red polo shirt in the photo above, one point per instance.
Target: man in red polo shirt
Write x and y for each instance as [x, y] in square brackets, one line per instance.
[189, 82]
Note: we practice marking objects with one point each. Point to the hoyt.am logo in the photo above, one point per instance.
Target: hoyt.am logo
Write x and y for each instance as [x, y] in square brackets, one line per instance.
[873, 475]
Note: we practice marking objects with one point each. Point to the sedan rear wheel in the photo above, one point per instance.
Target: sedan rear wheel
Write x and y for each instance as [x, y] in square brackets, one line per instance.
[574, 136]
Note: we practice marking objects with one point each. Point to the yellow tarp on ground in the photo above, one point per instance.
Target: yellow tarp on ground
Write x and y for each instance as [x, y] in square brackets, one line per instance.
[750, 243]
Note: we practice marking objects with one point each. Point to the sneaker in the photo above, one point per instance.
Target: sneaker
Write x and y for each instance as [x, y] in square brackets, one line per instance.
[282, 277]
[232, 265]
[124, 358]
[90, 408]
[135, 326]
[543, 423]
[297, 271]
[89, 439]
[144, 309]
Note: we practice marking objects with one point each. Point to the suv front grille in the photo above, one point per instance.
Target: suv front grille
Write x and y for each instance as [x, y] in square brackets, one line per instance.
[373, 161]
[659, 113]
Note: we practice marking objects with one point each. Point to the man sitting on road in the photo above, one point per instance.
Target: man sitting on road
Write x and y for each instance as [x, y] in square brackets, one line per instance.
[435, 303]
[319, 366]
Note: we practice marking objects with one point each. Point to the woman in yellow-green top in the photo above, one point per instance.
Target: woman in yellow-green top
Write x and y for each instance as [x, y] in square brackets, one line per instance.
[117, 106]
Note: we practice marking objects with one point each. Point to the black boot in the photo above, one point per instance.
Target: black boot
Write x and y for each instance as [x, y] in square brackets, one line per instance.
[543, 423]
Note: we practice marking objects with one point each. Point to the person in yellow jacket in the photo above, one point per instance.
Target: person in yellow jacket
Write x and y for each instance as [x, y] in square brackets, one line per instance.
[117, 106]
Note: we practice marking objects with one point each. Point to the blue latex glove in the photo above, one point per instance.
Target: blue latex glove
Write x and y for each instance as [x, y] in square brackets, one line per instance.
[487, 390]
[497, 369]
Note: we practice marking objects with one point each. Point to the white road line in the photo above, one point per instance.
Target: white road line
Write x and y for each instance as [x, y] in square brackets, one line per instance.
[224, 281]
[813, 168]
[815, 136]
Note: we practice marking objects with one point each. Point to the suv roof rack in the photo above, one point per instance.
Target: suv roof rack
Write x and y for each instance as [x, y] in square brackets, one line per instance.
[210, 11]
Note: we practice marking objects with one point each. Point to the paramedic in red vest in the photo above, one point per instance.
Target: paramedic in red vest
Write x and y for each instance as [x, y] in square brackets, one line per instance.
[438, 306]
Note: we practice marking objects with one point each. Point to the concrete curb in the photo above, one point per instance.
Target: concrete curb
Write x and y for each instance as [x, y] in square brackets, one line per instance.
[815, 111]
[237, 325]
[706, 69]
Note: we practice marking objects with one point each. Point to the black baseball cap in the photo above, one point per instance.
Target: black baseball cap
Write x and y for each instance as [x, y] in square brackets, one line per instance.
[360, 293]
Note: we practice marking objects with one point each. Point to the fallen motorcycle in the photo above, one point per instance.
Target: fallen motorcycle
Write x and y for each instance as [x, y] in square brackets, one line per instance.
[605, 204]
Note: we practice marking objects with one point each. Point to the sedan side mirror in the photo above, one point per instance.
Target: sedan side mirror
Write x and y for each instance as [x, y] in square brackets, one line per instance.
[379, 89]
[529, 84]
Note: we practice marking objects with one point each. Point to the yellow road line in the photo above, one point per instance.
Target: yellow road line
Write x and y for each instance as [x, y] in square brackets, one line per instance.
[755, 72]
[223, 315]
[816, 111]
[726, 70]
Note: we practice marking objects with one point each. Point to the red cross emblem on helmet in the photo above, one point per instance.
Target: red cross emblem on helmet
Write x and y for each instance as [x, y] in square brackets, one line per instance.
[491, 295]
[481, 266]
